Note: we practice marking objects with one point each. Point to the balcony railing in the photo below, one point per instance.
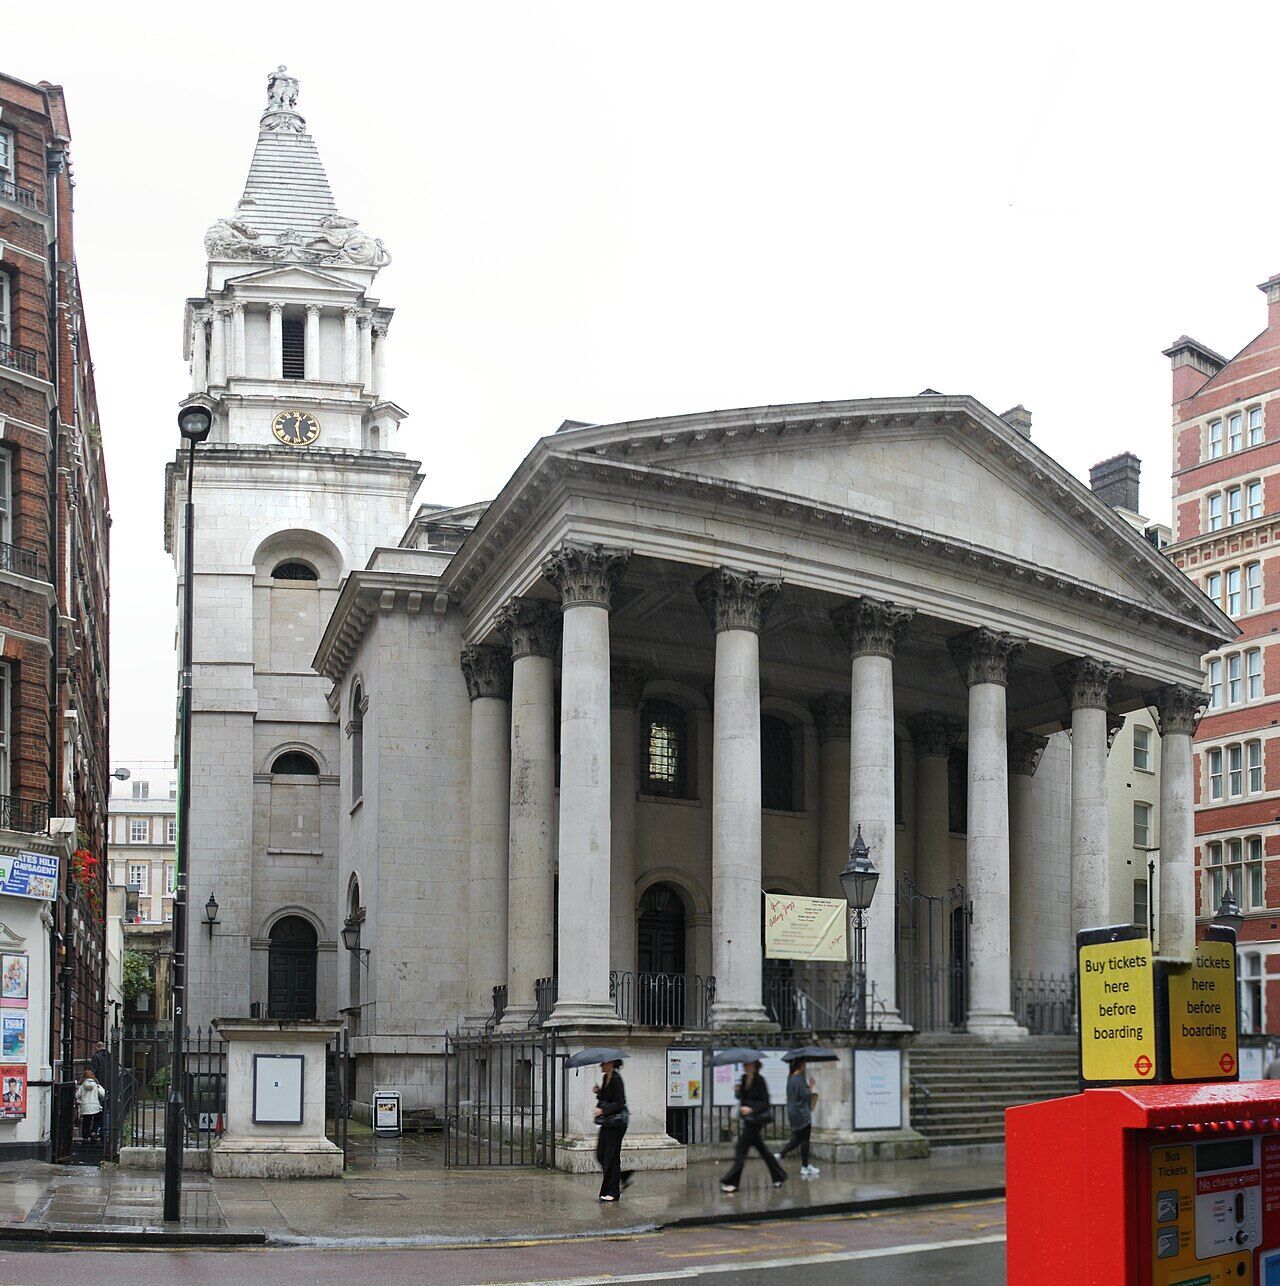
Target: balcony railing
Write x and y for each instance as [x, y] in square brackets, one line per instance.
[662, 999]
[22, 562]
[26, 360]
[1045, 1004]
[31, 816]
[10, 191]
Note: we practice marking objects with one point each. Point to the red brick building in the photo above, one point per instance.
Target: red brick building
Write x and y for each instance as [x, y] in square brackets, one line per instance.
[53, 556]
[1226, 501]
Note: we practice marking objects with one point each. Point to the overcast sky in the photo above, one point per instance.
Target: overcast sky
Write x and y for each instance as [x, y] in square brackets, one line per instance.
[602, 211]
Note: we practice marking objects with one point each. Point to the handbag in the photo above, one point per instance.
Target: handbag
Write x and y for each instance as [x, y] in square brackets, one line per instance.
[762, 1119]
[618, 1121]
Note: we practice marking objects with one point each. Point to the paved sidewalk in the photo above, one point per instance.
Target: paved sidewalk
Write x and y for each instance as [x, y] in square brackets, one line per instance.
[406, 1201]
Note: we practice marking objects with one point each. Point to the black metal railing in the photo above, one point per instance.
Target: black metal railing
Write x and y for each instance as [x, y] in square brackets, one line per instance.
[662, 999]
[544, 1000]
[499, 1005]
[1045, 1004]
[337, 1090]
[10, 191]
[26, 360]
[31, 816]
[933, 957]
[800, 997]
[22, 562]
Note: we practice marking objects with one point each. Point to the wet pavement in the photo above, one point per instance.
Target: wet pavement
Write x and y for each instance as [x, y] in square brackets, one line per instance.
[397, 1192]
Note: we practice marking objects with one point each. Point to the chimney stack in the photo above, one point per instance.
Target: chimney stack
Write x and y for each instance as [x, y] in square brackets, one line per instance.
[1115, 481]
[1019, 419]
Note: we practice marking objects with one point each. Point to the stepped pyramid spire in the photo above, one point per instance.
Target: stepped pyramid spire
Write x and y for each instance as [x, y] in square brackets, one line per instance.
[287, 211]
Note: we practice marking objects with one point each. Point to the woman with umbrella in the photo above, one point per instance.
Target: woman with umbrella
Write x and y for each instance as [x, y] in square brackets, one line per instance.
[756, 1112]
[611, 1117]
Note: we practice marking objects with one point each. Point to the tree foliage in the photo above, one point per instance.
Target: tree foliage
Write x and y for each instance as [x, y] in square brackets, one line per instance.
[137, 975]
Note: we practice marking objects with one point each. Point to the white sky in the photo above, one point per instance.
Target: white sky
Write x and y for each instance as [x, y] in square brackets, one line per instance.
[602, 211]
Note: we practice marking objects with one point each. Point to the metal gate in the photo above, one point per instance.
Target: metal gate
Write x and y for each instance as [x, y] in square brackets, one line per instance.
[503, 1098]
[337, 1090]
[933, 957]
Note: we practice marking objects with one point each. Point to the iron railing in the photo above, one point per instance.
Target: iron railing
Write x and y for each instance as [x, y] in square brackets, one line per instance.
[31, 816]
[26, 360]
[1045, 1004]
[10, 191]
[337, 1090]
[662, 999]
[22, 562]
[805, 998]
[933, 958]
[544, 1000]
[499, 1005]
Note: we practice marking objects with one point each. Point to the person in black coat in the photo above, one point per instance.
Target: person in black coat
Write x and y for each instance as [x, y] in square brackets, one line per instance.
[756, 1112]
[611, 1119]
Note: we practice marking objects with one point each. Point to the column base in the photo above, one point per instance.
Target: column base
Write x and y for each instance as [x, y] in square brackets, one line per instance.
[892, 1020]
[990, 1024]
[856, 1146]
[584, 1013]
[728, 1016]
[576, 1153]
[518, 1018]
[475, 1022]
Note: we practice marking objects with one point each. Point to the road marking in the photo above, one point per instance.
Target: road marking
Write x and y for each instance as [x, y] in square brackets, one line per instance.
[704, 1270]
[815, 1247]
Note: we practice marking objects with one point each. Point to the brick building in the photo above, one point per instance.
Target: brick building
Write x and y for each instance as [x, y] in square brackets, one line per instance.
[53, 574]
[1226, 500]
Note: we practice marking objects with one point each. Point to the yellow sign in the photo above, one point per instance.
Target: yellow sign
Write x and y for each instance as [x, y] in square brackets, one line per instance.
[1117, 1012]
[1202, 1015]
[797, 928]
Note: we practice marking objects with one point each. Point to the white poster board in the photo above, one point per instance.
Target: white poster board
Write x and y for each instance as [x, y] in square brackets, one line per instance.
[797, 928]
[685, 1078]
[1252, 1058]
[386, 1112]
[877, 1089]
[277, 1089]
[725, 1080]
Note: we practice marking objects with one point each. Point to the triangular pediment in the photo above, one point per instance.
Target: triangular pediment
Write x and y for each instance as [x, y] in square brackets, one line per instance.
[295, 276]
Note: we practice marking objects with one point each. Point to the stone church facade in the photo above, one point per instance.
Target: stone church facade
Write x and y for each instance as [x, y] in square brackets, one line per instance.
[562, 741]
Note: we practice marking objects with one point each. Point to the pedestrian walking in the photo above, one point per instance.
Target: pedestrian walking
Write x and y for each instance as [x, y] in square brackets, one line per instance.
[100, 1063]
[756, 1112]
[89, 1099]
[800, 1098]
[612, 1118]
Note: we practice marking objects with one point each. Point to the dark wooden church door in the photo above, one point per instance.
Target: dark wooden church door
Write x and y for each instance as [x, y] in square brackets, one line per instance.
[291, 970]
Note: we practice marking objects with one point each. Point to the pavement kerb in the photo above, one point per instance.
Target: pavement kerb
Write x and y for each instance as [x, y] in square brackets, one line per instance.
[62, 1235]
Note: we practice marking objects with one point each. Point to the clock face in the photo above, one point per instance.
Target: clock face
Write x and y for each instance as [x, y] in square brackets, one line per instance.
[296, 428]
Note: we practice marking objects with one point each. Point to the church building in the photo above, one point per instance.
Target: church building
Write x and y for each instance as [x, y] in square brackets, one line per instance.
[541, 756]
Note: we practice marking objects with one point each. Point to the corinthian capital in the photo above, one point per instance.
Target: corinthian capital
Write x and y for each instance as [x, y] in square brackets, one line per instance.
[736, 601]
[871, 627]
[1086, 682]
[1114, 723]
[983, 655]
[626, 684]
[933, 734]
[487, 670]
[530, 627]
[1178, 708]
[833, 713]
[585, 573]
[1025, 749]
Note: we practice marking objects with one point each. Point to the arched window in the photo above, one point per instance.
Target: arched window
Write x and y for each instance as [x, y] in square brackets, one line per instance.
[294, 569]
[358, 707]
[296, 763]
[666, 749]
[777, 764]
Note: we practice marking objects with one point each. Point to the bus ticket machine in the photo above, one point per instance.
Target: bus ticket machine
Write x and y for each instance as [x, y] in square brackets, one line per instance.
[1148, 1185]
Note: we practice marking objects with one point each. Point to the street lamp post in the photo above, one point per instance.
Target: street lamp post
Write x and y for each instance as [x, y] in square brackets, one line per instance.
[858, 880]
[194, 423]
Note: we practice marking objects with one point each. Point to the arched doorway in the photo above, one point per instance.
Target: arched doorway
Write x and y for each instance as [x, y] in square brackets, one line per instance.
[291, 970]
[660, 955]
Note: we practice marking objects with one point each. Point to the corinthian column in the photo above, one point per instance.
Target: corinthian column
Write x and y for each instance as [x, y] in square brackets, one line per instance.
[350, 353]
[379, 360]
[365, 321]
[871, 630]
[530, 629]
[1178, 709]
[737, 605]
[933, 735]
[275, 341]
[1025, 750]
[1087, 684]
[237, 339]
[982, 657]
[218, 347]
[585, 577]
[832, 714]
[626, 685]
[311, 344]
[488, 673]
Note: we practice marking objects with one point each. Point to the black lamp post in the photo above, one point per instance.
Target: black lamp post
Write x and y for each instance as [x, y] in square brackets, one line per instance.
[351, 940]
[194, 423]
[858, 879]
[211, 913]
[1228, 915]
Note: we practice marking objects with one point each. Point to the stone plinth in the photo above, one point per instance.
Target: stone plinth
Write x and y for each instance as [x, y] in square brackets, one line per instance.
[274, 1149]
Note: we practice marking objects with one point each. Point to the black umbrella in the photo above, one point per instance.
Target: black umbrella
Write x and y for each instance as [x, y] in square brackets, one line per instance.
[810, 1054]
[722, 1057]
[602, 1054]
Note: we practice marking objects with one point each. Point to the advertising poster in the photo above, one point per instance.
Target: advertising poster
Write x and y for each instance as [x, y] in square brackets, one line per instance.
[725, 1080]
[877, 1089]
[684, 1078]
[386, 1112]
[13, 1037]
[13, 1091]
[797, 928]
[29, 875]
[13, 978]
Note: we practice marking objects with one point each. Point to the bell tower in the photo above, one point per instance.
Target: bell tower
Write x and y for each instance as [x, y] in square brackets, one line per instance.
[296, 485]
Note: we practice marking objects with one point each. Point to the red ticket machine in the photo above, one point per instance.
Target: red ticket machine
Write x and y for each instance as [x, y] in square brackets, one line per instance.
[1147, 1185]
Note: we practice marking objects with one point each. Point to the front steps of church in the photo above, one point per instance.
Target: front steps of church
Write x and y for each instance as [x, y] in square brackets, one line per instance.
[960, 1085]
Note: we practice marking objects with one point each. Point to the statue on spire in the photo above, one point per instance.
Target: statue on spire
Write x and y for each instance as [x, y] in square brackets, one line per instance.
[282, 103]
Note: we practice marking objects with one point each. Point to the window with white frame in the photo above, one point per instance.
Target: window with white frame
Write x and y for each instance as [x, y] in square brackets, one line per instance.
[1233, 679]
[1215, 774]
[138, 872]
[138, 830]
[1255, 426]
[1253, 673]
[1233, 506]
[1233, 591]
[173, 790]
[1142, 748]
[1216, 882]
[1251, 1012]
[1235, 431]
[1235, 770]
[5, 702]
[141, 789]
[6, 155]
[1253, 758]
[1215, 439]
[1213, 587]
[1253, 499]
[1252, 587]
[171, 831]
[1215, 511]
[1141, 825]
[1254, 878]
[6, 309]
[1141, 904]
[1215, 685]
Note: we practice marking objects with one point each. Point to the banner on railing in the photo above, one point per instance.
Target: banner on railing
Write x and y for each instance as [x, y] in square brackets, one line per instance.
[798, 928]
